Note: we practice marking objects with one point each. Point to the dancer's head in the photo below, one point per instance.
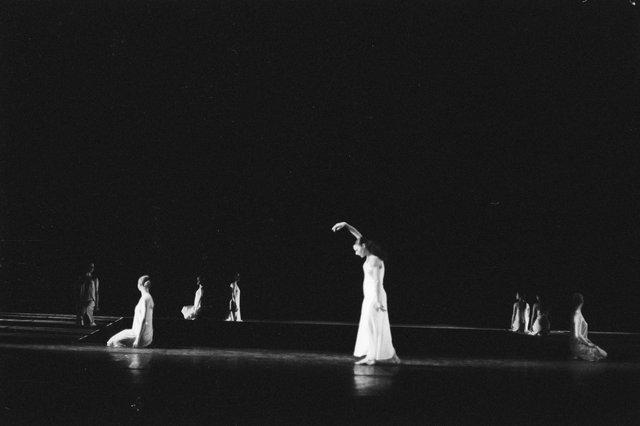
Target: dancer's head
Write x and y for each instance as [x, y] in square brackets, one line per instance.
[360, 248]
[144, 283]
[364, 247]
[90, 268]
[577, 300]
[517, 295]
[199, 281]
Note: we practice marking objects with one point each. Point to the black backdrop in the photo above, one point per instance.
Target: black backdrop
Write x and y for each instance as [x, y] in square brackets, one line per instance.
[490, 146]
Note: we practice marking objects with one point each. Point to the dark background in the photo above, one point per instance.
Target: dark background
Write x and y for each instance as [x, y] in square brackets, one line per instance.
[489, 146]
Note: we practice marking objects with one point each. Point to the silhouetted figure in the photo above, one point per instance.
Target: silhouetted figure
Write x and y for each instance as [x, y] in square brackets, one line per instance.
[192, 312]
[520, 315]
[234, 301]
[579, 344]
[539, 324]
[374, 331]
[141, 332]
[88, 297]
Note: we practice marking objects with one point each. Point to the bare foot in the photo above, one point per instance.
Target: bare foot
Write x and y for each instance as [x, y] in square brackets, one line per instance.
[365, 361]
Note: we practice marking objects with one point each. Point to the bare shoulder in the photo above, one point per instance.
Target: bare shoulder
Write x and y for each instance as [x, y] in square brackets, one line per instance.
[376, 262]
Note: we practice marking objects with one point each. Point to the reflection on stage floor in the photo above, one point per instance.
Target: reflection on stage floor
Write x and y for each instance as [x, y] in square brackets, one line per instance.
[80, 383]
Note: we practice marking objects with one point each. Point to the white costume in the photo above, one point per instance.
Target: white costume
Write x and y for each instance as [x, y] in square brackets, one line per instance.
[142, 326]
[191, 312]
[579, 344]
[520, 318]
[374, 330]
[541, 324]
[234, 303]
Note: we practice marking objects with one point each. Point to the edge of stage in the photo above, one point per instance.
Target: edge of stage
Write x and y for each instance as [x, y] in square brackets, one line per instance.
[409, 340]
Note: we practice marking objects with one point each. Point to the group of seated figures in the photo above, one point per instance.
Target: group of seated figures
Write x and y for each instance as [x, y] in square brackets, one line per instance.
[192, 312]
[535, 321]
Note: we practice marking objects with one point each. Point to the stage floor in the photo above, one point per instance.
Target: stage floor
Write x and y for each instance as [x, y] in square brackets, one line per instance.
[87, 383]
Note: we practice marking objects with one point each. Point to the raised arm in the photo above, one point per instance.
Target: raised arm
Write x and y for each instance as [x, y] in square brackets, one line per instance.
[338, 226]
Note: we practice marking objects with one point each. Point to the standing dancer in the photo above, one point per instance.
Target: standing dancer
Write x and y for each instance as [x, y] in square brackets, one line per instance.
[141, 332]
[234, 302]
[374, 331]
[88, 297]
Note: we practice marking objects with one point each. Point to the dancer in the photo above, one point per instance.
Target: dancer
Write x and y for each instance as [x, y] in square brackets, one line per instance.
[374, 331]
[539, 324]
[193, 311]
[579, 344]
[520, 315]
[88, 297]
[141, 333]
[234, 302]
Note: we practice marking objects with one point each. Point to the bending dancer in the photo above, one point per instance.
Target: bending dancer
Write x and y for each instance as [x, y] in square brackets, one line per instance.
[141, 333]
[234, 302]
[579, 344]
[88, 297]
[374, 331]
[193, 311]
[520, 315]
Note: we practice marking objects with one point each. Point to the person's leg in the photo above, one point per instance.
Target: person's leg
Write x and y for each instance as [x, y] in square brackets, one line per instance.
[90, 319]
[124, 338]
[79, 314]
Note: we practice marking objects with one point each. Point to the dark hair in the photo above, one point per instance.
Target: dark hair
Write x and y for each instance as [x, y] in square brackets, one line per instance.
[523, 301]
[373, 247]
[576, 300]
[542, 305]
[203, 281]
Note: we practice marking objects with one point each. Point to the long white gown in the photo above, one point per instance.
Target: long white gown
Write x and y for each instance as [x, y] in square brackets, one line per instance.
[579, 344]
[374, 331]
[191, 312]
[521, 318]
[142, 321]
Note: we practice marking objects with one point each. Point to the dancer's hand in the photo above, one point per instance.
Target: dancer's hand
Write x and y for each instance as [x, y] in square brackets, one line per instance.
[136, 343]
[380, 307]
[338, 226]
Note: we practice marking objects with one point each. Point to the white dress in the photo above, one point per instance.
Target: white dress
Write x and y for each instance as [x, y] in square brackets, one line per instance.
[374, 331]
[191, 312]
[142, 325]
[235, 299]
[541, 325]
[579, 344]
[521, 318]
